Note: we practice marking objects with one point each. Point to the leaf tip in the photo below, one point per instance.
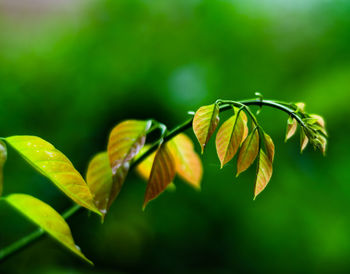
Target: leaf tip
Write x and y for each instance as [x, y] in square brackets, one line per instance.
[144, 206]
[103, 219]
[98, 212]
[89, 262]
[197, 187]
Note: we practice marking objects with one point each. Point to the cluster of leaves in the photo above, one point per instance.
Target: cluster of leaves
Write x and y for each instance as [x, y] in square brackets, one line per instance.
[312, 130]
[157, 163]
[105, 176]
[233, 137]
[126, 144]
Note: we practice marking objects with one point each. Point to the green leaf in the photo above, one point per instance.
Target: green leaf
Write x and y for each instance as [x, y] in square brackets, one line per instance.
[47, 218]
[322, 144]
[292, 125]
[300, 106]
[317, 123]
[229, 137]
[162, 173]
[99, 180]
[171, 187]
[264, 173]
[125, 142]
[53, 164]
[3, 157]
[248, 152]
[188, 164]
[205, 122]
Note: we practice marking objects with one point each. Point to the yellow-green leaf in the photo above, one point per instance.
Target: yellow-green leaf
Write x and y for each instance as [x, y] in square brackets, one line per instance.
[125, 142]
[3, 157]
[47, 218]
[317, 127]
[292, 125]
[188, 164]
[246, 129]
[248, 152]
[319, 119]
[318, 123]
[205, 122]
[171, 187]
[144, 168]
[264, 173]
[162, 173]
[323, 144]
[53, 164]
[304, 140]
[301, 106]
[99, 180]
[229, 137]
[270, 147]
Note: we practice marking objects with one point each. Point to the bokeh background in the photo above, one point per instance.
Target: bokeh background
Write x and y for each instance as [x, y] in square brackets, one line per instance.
[71, 70]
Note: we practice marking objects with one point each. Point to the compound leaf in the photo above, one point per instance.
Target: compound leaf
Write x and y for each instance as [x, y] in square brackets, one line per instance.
[264, 173]
[248, 151]
[3, 157]
[125, 142]
[229, 137]
[47, 218]
[162, 173]
[188, 164]
[205, 122]
[99, 180]
[53, 164]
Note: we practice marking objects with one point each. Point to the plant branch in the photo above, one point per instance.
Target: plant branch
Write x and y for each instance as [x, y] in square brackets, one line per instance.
[226, 105]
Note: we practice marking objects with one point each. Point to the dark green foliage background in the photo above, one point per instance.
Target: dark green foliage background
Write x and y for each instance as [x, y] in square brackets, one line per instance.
[70, 72]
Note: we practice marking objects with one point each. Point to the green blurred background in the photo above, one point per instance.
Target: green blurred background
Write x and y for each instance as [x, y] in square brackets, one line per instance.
[71, 70]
